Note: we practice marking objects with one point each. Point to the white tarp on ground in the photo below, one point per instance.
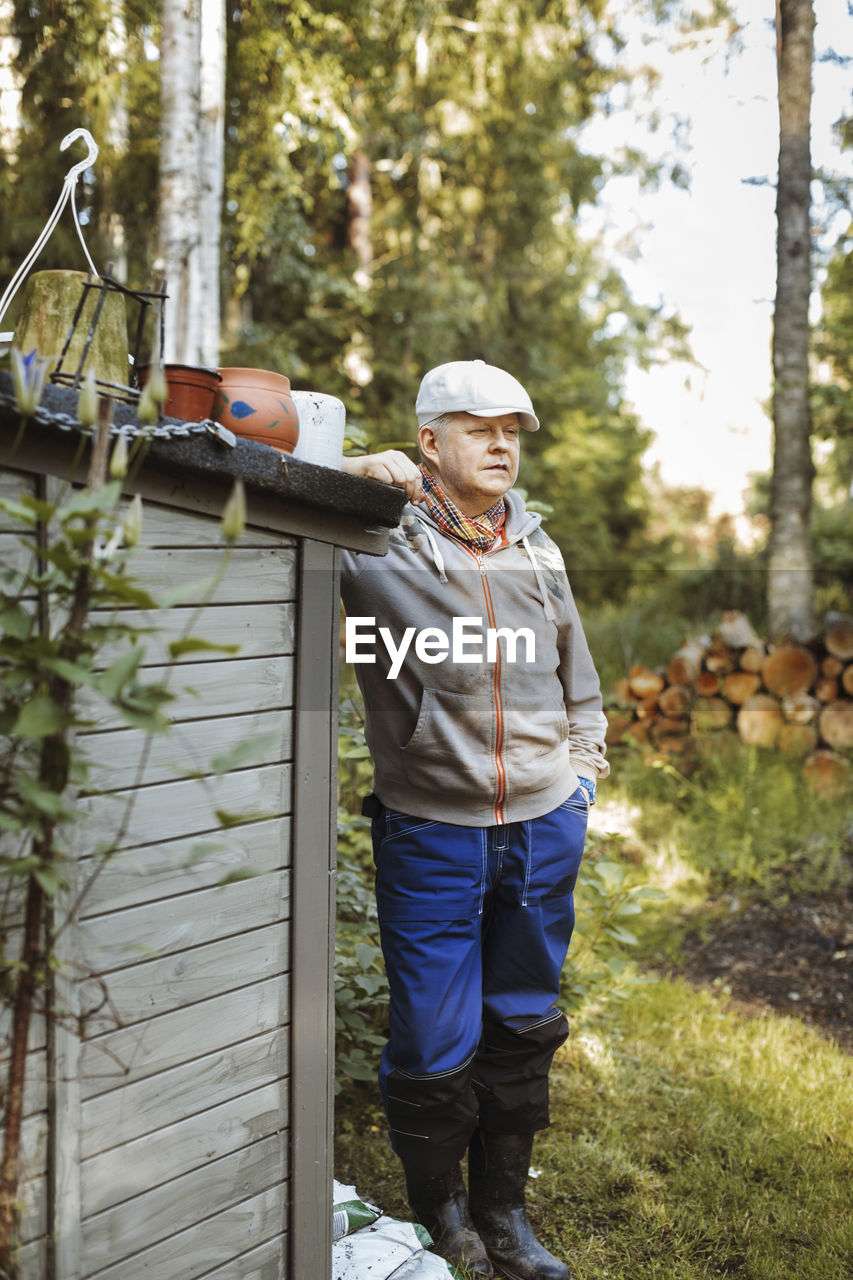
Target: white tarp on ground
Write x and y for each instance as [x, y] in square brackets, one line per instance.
[369, 1246]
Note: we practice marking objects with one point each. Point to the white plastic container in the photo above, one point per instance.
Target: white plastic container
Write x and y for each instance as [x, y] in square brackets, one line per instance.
[322, 421]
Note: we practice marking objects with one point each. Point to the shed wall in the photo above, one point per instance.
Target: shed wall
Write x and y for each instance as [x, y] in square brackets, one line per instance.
[171, 1117]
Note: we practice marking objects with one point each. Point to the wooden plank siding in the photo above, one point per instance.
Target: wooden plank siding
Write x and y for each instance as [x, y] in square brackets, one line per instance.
[186, 1134]
[181, 1125]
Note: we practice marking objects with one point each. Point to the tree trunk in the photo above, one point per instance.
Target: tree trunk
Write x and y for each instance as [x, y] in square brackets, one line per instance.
[33, 962]
[707, 684]
[180, 184]
[790, 578]
[797, 739]
[10, 85]
[358, 360]
[212, 149]
[30, 962]
[360, 215]
[752, 659]
[118, 131]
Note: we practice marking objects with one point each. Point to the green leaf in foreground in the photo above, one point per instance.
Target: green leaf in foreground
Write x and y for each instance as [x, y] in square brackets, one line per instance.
[194, 644]
[39, 797]
[88, 502]
[228, 820]
[50, 878]
[244, 752]
[120, 672]
[14, 620]
[240, 873]
[40, 718]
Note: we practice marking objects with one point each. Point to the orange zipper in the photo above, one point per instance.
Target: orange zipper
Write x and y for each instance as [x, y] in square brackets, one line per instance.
[500, 794]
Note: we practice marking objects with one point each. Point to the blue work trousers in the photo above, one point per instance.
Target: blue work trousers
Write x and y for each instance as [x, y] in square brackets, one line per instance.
[475, 924]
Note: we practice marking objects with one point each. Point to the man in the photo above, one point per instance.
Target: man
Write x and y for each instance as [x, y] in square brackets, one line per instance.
[484, 720]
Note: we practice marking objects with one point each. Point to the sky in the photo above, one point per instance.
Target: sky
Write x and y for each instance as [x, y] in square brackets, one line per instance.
[709, 253]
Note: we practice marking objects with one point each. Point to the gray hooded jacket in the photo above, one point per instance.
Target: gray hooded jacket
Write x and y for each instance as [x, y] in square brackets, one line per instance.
[464, 726]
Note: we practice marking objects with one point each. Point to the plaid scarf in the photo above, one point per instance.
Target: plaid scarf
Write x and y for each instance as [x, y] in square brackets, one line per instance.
[481, 533]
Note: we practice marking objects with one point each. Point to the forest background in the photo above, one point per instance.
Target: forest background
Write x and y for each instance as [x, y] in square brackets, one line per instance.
[411, 182]
[405, 183]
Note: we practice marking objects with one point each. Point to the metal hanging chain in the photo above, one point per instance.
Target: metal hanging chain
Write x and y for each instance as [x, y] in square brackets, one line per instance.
[68, 191]
[173, 430]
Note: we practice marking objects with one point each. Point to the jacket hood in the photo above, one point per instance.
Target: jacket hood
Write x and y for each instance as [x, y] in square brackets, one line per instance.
[520, 524]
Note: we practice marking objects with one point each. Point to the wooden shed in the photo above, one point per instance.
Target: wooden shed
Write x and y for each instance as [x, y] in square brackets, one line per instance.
[187, 1134]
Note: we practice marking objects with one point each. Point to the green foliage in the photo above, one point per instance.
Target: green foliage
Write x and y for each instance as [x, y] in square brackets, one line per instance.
[599, 965]
[466, 130]
[832, 534]
[743, 817]
[84, 64]
[361, 988]
[625, 632]
[42, 668]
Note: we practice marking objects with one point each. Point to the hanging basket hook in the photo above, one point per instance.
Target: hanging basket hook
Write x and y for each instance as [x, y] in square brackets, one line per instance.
[68, 191]
[91, 153]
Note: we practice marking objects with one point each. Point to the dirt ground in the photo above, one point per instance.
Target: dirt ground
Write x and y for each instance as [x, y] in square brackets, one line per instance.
[796, 959]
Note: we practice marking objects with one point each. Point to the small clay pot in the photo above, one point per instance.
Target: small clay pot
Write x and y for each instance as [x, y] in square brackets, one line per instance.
[257, 405]
[192, 390]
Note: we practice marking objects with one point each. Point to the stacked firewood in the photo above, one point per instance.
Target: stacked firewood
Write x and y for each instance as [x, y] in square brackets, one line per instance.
[790, 697]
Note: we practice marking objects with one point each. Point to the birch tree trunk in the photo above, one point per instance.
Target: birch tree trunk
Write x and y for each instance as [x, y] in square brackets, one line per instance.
[358, 360]
[359, 216]
[180, 179]
[10, 87]
[118, 130]
[212, 149]
[790, 577]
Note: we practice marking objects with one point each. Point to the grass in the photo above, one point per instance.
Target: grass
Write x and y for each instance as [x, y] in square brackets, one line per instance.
[743, 818]
[687, 1141]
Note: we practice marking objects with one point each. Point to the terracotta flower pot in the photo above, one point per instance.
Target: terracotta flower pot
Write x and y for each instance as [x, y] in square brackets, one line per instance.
[257, 405]
[191, 390]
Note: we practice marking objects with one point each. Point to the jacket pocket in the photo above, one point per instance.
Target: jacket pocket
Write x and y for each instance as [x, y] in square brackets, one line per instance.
[535, 744]
[451, 749]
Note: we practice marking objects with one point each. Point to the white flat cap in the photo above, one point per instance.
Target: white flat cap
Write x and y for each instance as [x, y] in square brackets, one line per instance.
[472, 386]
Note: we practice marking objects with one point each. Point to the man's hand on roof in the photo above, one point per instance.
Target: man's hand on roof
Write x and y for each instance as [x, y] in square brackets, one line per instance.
[392, 466]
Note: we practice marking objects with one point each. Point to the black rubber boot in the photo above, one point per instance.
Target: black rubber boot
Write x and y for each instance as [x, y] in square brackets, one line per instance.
[441, 1205]
[498, 1164]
